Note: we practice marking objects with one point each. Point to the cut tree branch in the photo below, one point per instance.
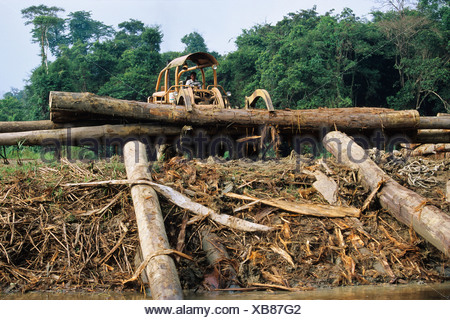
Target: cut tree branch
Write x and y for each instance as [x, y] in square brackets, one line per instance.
[184, 202]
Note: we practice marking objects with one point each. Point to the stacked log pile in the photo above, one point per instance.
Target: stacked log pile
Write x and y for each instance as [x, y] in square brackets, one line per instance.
[90, 113]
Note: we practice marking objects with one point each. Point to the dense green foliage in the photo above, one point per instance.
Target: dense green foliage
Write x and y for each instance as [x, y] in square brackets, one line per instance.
[399, 59]
[13, 108]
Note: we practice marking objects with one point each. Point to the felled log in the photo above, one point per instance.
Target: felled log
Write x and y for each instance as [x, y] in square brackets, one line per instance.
[426, 149]
[65, 105]
[432, 136]
[161, 271]
[404, 204]
[224, 273]
[17, 126]
[434, 123]
[22, 126]
[85, 135]
[318, 210]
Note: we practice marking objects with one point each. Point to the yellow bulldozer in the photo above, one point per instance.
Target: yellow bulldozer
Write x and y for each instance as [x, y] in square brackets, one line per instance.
[178, 84]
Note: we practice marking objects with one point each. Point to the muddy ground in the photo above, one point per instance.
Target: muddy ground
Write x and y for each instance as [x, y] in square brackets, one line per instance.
[54, 237]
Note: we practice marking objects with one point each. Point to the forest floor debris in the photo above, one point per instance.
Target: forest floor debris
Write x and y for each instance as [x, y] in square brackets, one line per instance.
[54, 237]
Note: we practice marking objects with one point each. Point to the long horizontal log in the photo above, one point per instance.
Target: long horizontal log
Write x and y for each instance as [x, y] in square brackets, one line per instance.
[18, 126]
[21, 126]
[430, 149]
[432, 136]
[405, 205]
[434, 123]
[74, 136]
[63, 104]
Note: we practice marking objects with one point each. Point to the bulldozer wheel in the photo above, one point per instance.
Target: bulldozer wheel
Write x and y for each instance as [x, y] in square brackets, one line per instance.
[218, 99]
[186, 98]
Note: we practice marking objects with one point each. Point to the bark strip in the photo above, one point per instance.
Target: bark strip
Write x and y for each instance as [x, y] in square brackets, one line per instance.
[318, 210]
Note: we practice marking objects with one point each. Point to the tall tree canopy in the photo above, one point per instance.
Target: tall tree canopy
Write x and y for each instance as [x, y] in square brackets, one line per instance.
[47, 27]
[84, 29]
[194, 42]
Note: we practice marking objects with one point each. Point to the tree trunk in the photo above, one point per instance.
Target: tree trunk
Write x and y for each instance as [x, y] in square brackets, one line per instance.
[430, 149]
[18, 126]
[218, 258]
[161, 271]
[404, 204]
[66, 106]
[432, 136]
[85, 135]
[434, 123]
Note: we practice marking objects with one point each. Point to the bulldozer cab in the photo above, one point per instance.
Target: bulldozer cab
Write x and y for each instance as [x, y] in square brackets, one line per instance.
[173, 85]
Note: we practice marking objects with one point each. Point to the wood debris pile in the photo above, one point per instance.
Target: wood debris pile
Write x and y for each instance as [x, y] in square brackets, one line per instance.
[71, 238]
[57, 237]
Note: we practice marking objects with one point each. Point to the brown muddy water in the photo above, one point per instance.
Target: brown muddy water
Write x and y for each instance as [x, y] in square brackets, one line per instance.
[418, 291]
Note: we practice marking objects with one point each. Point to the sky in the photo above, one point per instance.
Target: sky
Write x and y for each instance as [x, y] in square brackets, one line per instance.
[218, 21]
